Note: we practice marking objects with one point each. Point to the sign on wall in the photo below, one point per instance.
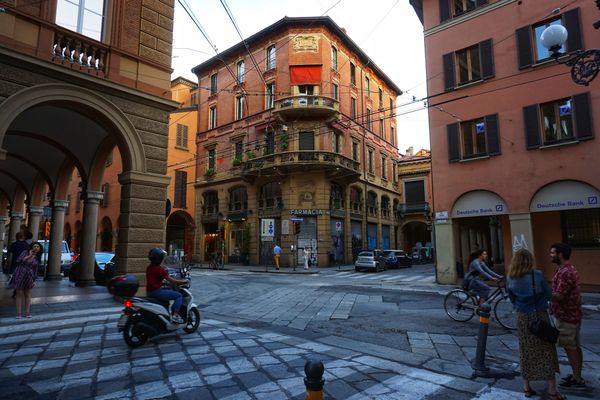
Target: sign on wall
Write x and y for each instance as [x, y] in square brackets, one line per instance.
[479, 203]
[565, 195]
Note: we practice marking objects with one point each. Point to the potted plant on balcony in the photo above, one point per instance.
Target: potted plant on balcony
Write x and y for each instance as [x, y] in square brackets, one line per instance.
[209, 172]
[250, 154]
[236, 162]
[267, 152]
[283, 142]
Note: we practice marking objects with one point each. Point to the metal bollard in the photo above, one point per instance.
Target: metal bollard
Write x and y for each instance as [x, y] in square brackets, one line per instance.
[314, 379]
[484, 320]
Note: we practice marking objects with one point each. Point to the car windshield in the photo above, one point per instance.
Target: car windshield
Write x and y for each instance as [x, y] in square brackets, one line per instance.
[103, 258]
[365, 254]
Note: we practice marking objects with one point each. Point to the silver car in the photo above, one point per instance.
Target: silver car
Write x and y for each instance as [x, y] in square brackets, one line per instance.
[369, 259]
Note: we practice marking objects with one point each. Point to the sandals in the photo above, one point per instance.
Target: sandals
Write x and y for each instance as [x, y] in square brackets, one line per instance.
[557, 396]
[530, 393]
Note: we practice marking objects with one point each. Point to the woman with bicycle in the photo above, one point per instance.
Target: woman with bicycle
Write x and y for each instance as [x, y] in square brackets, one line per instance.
[530, 293]
[478, 271]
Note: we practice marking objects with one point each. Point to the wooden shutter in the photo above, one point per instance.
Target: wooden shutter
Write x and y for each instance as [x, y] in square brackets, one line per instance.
[492, 134]
[486, 55]
[184, 137]
[571, 21]
[444, 10]
[453, 142]
[179, 140]
[583, 117]
[524, 47]
[532, 126]
[180, 189]
[449, 74]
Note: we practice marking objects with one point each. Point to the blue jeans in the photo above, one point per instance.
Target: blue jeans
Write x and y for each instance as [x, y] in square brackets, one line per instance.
[166, 294]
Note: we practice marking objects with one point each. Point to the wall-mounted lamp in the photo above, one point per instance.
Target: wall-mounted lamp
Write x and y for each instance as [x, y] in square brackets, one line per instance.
[584, 64]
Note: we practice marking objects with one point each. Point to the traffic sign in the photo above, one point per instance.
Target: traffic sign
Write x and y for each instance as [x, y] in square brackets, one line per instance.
[296, 219]
[267, 226]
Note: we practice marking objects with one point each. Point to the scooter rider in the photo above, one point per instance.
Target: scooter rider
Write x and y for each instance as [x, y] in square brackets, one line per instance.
[155, 275]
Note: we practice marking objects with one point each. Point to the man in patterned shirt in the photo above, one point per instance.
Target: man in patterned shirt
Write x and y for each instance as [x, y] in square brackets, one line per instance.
[566, 308]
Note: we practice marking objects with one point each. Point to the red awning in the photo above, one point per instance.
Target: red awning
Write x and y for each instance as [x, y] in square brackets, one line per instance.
[305, 74]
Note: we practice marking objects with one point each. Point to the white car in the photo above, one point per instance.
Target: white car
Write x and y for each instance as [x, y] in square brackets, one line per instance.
[369, 259]
[65, 257]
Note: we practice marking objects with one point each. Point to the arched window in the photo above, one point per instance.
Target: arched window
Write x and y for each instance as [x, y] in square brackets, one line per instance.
[270, 196]
[385, 207]
[210, 202]
[356, 199]
[372, 204]
[336, 200]
[238, 199]
[396, 209]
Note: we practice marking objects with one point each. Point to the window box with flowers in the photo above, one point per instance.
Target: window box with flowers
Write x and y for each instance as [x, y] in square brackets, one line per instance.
[283, 142]
[236, 162]
[209, 172]
[250, 155]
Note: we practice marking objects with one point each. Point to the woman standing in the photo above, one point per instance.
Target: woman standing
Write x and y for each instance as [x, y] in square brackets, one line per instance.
[24, 277]
[529, 292]
[306, 257]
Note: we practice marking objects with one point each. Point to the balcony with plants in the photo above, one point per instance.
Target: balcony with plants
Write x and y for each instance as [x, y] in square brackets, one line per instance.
[309, 106]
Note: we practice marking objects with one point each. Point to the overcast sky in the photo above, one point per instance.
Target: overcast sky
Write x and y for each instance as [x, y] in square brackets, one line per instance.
[388, 31]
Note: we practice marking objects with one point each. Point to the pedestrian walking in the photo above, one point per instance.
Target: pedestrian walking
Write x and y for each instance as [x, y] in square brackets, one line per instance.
[23, 279]
[306, 254]
[276, 255]
[567, 312]
[530, 293]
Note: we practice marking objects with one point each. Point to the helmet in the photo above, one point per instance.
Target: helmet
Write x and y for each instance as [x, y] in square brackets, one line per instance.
[157, 255]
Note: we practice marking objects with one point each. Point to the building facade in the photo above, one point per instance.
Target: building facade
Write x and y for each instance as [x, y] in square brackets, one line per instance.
[296, 146]
[512, 135]
[78, 81]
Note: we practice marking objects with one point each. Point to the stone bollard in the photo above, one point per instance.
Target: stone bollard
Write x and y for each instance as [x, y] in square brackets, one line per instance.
[484, 320]
[314, 379]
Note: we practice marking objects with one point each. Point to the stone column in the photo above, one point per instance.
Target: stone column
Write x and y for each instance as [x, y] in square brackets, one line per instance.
[521, 232]
[494, 239]
[55, 242]
[35, 216]
[141, 222]
[445, 257]
[3, 238]
[87, 256]
[16, 218]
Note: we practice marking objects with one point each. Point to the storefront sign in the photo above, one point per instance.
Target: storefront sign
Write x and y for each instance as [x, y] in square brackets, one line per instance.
[441, 215]
[479, 203]
[306, 212]
[565, 195]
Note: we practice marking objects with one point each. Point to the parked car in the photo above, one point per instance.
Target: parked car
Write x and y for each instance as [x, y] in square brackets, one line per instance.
[65, 258]
[104, 268]
[395, 259]
[369, 259]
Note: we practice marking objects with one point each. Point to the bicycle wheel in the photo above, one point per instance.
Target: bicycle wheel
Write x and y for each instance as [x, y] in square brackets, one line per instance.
[504, 313]
[459, 305]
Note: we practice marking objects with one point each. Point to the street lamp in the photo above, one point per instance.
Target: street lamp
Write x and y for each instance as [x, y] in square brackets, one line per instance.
[584, 64]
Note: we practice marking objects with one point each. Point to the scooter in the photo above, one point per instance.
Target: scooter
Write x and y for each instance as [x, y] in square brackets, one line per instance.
[145, 317]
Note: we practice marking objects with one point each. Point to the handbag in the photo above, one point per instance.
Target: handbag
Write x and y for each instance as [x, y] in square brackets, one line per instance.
[539, 327]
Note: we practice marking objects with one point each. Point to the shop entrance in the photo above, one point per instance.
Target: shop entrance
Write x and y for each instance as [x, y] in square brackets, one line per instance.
[307, 238]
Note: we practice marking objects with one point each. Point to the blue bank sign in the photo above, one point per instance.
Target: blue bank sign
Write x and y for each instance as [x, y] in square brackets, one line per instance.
[565, 195]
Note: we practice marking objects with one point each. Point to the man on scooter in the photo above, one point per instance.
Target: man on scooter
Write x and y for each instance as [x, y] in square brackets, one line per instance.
[155, 275]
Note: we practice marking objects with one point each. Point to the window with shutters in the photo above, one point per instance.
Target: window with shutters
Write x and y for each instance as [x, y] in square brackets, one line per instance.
[241, 71]
[334, 58]
[271, 58]
[473, 139]
[367, 85]
[472, 64]
[369, 125]
[212, 117]
[530, 51]
[380, 99]
[270, 99]
[393, 133]
[180, 194]
[306, 141]
[211, 156]
[352, 108]
[213, 84]
[105, 193]
[336, 137]
[334, 91]
[353, 74]
[182, 136]
[557, 123]
[392, 110]
[560, 121]
[581, 228]
[194, 99]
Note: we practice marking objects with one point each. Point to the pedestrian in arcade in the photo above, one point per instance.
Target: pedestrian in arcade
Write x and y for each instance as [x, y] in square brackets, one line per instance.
[276, 255]
[306, 254]
[567, 312]
[530, 293]
[23, 279]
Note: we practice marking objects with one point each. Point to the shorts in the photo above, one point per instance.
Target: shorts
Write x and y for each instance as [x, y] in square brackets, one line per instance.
[569, 334]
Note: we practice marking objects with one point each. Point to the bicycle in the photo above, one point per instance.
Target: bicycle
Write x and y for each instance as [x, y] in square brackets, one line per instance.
[216, 261]
[461, 305]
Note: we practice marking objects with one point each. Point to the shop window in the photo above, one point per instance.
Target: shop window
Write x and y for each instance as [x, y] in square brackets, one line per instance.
[182, 136]
[271, 58]
[471, 64]
[238, 199]
[564, 120]
[581, 228]
[475, 138]
[529, 48]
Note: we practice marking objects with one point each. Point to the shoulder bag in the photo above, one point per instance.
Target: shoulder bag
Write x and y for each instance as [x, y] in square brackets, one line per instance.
[539, 327]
